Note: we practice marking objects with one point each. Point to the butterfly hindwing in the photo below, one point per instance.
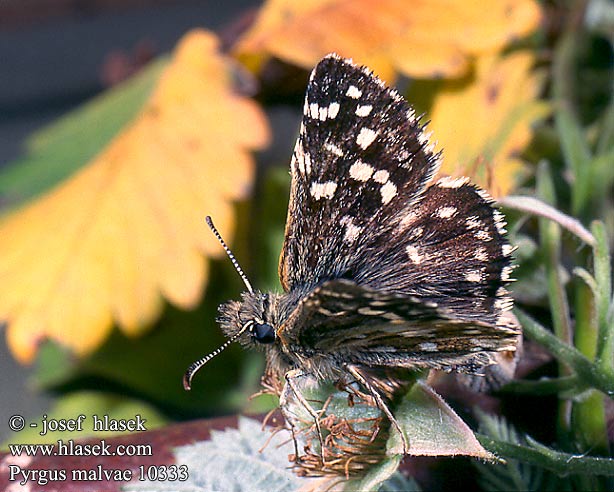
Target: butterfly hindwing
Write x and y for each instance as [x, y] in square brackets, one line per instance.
[450, 249]
[364, 326]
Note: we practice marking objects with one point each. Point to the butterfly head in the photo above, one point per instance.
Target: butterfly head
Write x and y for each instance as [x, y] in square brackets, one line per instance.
[253, 321]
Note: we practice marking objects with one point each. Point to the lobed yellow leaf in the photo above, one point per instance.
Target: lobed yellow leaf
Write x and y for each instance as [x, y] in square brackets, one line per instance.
[484, 120]
[419, 38]
[127, 229]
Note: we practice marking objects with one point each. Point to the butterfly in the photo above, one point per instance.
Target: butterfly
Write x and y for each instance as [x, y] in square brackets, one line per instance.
[383, 268]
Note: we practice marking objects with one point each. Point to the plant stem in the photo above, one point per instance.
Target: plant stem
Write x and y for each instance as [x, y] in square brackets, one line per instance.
[547, 386]
[550, 238]
[604, 301]
[534, 206]
[589, 373]
[560, 463]
[588, 412]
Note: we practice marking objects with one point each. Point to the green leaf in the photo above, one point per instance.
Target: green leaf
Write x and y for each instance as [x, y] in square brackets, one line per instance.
[62, 147]
[563, 464]
[577, 157]
[542, 209]
[432, 427]
[606, 135]
[376, 476]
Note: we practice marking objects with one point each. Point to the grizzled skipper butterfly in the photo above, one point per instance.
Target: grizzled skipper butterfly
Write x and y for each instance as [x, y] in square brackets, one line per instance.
[381, 269]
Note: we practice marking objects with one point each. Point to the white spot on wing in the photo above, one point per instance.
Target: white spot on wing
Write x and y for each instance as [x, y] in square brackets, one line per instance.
[424, 137]
[450, 182]
[293, 164]
[446, 212]
[333, 149]
[323, 114]
[314, 110]
[416, 232]
[502, 292]
[499, 222]
[485, 196]
[409, 218]
[365, 137]
[428, 346]
[307, 164]
[363, 110]
[474, 276]
[381, 176]
[367, 311]
[503, 301]
[430, 148]
[333, 110]
[507, 250]
[404, 155]
[473, 222]
[483, 236]
[300, 159]
[395, 95]
[361, 171]
[414, 254]
[323, 190]
[388, 191]
[353, 92]
[481, 254]
[351, 231]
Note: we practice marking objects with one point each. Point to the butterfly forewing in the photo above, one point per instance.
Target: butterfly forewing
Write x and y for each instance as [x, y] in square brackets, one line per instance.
[359, 161]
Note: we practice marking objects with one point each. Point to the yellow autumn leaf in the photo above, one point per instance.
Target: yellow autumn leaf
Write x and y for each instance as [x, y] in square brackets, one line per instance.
[483, 121]
[419, 38]
[125, 231]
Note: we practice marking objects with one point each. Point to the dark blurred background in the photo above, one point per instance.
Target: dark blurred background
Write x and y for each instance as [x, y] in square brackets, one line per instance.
[56, 54]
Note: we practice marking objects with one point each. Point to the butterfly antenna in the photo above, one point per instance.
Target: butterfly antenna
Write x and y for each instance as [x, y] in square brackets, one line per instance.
[234, 261]
[195, 367]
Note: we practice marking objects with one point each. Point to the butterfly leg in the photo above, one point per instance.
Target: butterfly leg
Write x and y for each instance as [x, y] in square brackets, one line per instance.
[355, 371]
[291, 389]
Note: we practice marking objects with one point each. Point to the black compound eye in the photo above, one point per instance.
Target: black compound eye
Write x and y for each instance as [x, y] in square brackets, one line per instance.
[263, 333]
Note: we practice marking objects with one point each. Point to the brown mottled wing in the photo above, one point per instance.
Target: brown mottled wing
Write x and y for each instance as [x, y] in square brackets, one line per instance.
[449, 249]
[360, 159]
[435, 257]
[375, 328]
